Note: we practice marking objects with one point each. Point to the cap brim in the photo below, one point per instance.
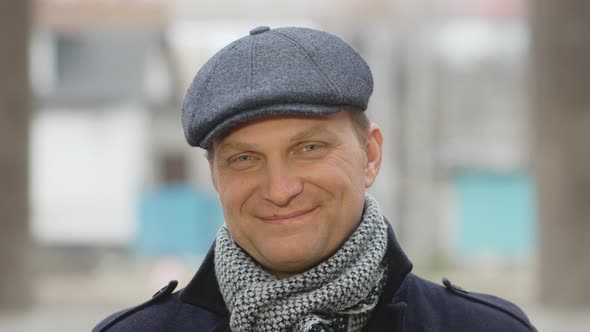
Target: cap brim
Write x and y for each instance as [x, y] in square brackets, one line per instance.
[267, 111]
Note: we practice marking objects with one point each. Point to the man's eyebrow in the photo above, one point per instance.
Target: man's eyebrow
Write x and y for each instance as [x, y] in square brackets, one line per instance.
[310, 132]
[236, 146]
[305, 134]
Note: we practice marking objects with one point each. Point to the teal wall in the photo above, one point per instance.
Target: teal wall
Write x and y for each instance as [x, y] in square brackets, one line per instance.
[496, 214]
[177, 220]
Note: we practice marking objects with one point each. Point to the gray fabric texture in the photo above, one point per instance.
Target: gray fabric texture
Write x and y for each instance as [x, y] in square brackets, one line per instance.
[272, 72]
[338, 295]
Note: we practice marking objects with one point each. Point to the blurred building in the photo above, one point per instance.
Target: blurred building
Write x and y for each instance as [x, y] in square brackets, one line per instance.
[100, 73]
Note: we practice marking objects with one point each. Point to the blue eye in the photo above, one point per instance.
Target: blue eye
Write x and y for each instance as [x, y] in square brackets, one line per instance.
[243, 161]
[311, 147]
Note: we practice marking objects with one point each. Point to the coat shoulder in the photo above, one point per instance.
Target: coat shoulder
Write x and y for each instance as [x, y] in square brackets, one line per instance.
[448, 307]
[161, 299]
[163, 312]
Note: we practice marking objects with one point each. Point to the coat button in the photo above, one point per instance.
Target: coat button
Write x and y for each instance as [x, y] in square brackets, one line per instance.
[259, 30]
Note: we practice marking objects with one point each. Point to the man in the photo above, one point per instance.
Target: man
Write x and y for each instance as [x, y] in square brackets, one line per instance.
[304, 248]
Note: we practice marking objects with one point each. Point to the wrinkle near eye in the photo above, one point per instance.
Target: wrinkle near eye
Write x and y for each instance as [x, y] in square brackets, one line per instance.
[339, 156]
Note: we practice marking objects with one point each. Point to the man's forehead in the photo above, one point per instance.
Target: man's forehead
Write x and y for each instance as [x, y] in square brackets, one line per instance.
[294, 128]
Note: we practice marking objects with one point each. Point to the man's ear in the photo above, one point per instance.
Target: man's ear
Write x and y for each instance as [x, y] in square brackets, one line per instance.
[211, 170]
[374, 151]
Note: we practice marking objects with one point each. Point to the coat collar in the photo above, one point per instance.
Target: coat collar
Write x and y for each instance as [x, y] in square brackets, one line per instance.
[389, 316]
[203, 289]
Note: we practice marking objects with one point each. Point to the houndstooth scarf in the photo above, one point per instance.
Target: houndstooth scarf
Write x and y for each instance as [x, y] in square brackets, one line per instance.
[337, 295]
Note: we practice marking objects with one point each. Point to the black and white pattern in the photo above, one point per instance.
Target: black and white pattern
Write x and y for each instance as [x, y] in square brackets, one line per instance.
[339, 293]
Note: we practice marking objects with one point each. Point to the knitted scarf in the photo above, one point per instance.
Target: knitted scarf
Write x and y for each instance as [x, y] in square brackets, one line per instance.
[337, 295]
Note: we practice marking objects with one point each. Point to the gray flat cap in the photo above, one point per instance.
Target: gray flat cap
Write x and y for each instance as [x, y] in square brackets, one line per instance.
[295, 71]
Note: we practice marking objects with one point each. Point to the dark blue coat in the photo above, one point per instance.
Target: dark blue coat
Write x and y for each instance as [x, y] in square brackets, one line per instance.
[408, 304]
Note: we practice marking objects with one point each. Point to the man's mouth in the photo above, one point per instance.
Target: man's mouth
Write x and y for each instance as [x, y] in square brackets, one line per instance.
[287, 217]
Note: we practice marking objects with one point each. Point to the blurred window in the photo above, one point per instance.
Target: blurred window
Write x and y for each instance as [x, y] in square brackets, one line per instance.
[101, 65]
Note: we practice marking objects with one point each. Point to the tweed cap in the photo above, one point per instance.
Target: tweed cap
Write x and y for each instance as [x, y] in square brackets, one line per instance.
[296, 71]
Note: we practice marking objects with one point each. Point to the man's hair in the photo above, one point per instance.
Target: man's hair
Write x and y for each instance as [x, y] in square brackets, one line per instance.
[360, 124]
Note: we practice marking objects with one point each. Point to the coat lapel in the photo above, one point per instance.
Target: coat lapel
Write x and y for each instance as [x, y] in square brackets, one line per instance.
[388, 315]
[387, 318]
[203, 289]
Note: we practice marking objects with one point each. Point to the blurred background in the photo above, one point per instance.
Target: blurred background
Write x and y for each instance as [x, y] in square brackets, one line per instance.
[484, 105]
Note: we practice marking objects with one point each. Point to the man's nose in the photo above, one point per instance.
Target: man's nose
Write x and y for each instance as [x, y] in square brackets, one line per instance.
[282, 184]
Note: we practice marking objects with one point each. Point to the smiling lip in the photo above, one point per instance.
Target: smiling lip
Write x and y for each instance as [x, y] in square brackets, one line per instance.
[285, 218]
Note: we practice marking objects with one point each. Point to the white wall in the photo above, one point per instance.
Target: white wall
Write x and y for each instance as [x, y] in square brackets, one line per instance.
[86, 171]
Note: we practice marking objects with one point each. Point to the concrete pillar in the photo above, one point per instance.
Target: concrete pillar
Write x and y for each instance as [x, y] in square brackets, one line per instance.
[15, 291]
[561, 101]
[420, 207]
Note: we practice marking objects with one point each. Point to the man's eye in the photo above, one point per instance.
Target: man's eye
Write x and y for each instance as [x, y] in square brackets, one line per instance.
[311, 147]
[242, 158]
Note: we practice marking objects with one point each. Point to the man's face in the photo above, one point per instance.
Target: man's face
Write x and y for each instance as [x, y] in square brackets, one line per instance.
[292, 188]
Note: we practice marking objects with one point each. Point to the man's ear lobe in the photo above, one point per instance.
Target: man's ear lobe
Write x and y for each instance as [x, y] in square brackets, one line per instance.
[374, 151]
